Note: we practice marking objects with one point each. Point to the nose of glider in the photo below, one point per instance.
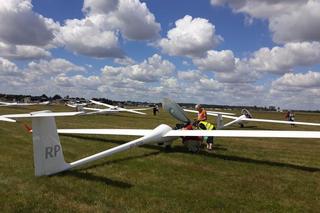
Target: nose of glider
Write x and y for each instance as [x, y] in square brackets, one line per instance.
[175, 110]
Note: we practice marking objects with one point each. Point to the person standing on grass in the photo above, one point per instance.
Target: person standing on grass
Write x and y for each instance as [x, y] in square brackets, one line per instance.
[201, 123]
[154, 109]
[202, 113]
[290, 116]
[204, 125]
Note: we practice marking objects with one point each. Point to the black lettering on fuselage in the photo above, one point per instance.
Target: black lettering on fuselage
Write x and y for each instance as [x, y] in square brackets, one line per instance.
[51, 151]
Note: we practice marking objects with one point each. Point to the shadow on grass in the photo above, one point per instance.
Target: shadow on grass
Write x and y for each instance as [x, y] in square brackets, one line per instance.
[91, 177]
[248, 160]
[182, 149]
[121, 160]
[95, 178]
[130, 115]
[99, 139]
[249, 127]
[263, 162]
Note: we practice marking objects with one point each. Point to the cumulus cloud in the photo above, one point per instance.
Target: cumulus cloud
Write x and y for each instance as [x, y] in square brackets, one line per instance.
[45, 76]
[150, 70]
[277, 60]
[22, 26]
[190, 37]
[22, 52]
[136, 22]
[218, 61]
[97, 33]
[56, 65]
[44, 70]
[78, 81]
[243, 73]
[227, 68]
[124, 61]
[99, 6]
[280, 60]
[131, 17]
[297, 90]
[85, 37]
[190, 75]
[7, 68]
[297, 81]
[303, 21]
[299, 16]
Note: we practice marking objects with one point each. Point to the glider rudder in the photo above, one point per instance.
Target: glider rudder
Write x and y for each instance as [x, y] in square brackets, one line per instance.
[47, 150]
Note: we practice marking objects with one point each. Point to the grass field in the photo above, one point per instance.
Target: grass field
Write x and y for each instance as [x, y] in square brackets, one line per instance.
[242, 175]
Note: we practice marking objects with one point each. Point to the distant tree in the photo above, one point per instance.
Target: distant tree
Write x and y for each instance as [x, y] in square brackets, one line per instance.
[57, 97]
[44, 97]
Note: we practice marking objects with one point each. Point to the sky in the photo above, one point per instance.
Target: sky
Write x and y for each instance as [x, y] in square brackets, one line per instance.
[234, 52]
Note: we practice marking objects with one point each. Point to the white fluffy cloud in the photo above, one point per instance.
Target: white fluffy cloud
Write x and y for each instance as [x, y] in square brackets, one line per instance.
[97, 33]
[190, 37]
[243, 73]
[7, 68]
[85, 37]
[131, 17]
[57, 65]
[150, 70]
[278, 60]
[99, 6]
[21, 26]
[45, 70]
[283, 59]
[124, 61]
[191, 75]
[298, 81]
[218, 61]
[78, 81]
[24, 52]
[285, 17]
[136, 22]
[300, 90]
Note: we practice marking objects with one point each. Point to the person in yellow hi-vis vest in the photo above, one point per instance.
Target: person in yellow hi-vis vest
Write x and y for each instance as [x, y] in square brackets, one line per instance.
[204, 125]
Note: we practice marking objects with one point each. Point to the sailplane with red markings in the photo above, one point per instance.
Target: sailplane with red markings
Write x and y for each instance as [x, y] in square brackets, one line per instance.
[48, 153]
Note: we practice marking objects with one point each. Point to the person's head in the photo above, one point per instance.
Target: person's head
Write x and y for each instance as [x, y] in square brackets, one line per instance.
[198, 107]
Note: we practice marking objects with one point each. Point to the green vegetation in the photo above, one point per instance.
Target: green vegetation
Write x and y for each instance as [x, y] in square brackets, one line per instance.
[242, 175]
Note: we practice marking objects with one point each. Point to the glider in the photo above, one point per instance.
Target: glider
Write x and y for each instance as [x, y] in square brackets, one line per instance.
[110, 110]
[113, 109]
[45, 113]
[247, 117]
[9, 104]
[48, 153]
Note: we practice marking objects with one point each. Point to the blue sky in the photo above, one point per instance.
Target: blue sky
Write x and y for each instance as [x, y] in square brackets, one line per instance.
[242, 39]
[210, 51]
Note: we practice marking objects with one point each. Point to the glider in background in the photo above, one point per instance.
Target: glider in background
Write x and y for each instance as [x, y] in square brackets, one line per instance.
[8, 104]
[109, 110]
[48, 154]
[247, 117]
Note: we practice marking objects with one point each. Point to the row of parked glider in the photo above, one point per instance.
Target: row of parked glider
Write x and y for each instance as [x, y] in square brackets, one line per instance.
[48, 154]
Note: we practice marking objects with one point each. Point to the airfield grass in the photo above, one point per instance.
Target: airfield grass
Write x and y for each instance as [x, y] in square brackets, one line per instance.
[242, 175]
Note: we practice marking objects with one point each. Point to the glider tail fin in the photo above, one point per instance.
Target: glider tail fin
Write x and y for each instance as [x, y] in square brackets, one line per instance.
[219, 121]
[47, 150]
